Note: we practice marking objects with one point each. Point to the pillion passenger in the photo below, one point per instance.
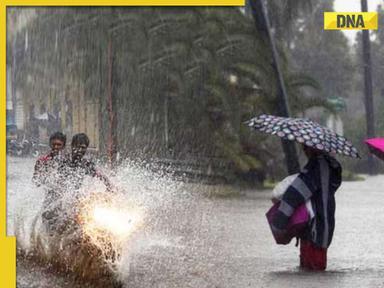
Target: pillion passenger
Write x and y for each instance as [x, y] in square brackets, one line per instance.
[48, 164]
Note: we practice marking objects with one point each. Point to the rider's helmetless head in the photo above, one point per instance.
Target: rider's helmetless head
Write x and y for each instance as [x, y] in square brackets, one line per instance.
[57, 142]
[79, 145]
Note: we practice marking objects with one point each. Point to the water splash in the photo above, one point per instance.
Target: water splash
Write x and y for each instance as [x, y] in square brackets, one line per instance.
[151, 215]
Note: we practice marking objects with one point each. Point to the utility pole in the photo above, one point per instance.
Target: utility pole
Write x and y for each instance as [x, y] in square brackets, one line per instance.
[111, 148]
[368, 94]
[260, 16]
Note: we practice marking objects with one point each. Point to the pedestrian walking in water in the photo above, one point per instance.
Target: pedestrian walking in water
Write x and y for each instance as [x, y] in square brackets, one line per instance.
[317, 183]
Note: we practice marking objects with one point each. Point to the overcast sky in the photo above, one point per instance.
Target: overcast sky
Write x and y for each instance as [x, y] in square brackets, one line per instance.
[354, 6]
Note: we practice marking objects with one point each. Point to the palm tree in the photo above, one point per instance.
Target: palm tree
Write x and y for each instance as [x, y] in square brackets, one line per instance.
[183, 81]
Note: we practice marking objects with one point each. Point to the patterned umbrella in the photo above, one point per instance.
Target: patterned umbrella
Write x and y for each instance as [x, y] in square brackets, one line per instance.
[304, 131]
[376, 146]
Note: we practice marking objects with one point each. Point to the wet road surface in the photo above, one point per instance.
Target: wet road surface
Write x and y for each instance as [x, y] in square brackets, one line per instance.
[227, 242]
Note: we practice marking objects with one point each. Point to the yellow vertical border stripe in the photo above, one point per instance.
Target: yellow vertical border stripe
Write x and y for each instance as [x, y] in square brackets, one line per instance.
[8, 244]
[350, 20]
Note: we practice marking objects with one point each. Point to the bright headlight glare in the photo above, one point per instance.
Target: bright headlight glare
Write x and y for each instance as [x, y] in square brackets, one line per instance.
[118, 222]
[104, 217]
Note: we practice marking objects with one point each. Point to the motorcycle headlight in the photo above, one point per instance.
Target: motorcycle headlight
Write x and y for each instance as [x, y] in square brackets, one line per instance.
[104, 217]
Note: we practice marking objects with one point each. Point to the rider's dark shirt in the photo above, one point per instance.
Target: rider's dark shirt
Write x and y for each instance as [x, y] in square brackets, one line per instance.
[73, 172]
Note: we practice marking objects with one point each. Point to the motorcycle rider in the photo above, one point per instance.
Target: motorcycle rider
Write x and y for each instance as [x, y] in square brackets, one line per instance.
[76, 166]
[71, 173]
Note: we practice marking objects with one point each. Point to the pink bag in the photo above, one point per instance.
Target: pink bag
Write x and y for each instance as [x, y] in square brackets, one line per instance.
[297, 223]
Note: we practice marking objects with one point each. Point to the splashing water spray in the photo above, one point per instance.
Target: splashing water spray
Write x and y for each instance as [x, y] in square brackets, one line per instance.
[150, 215]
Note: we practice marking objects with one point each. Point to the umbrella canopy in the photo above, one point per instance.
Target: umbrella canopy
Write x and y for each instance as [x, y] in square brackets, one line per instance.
[376, 146]
[304, 131]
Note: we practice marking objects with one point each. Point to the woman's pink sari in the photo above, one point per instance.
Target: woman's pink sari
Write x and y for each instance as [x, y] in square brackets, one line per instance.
[297, 223]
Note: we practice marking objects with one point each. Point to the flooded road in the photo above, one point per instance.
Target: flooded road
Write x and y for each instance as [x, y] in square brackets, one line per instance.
[199, 242]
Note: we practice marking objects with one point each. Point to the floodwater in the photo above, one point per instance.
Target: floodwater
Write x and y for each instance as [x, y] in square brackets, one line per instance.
[199, 242]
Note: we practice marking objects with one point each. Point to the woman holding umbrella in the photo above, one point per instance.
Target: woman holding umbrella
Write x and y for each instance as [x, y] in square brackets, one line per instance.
[317, 182]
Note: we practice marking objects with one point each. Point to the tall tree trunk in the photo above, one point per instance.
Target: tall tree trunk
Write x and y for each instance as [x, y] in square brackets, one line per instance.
[260, 17]
[369, 111]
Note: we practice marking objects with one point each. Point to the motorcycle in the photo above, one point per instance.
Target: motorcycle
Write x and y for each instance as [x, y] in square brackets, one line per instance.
[24, 147]
[14, 148]
[94, 232]
[37, 147]
[103, 221]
